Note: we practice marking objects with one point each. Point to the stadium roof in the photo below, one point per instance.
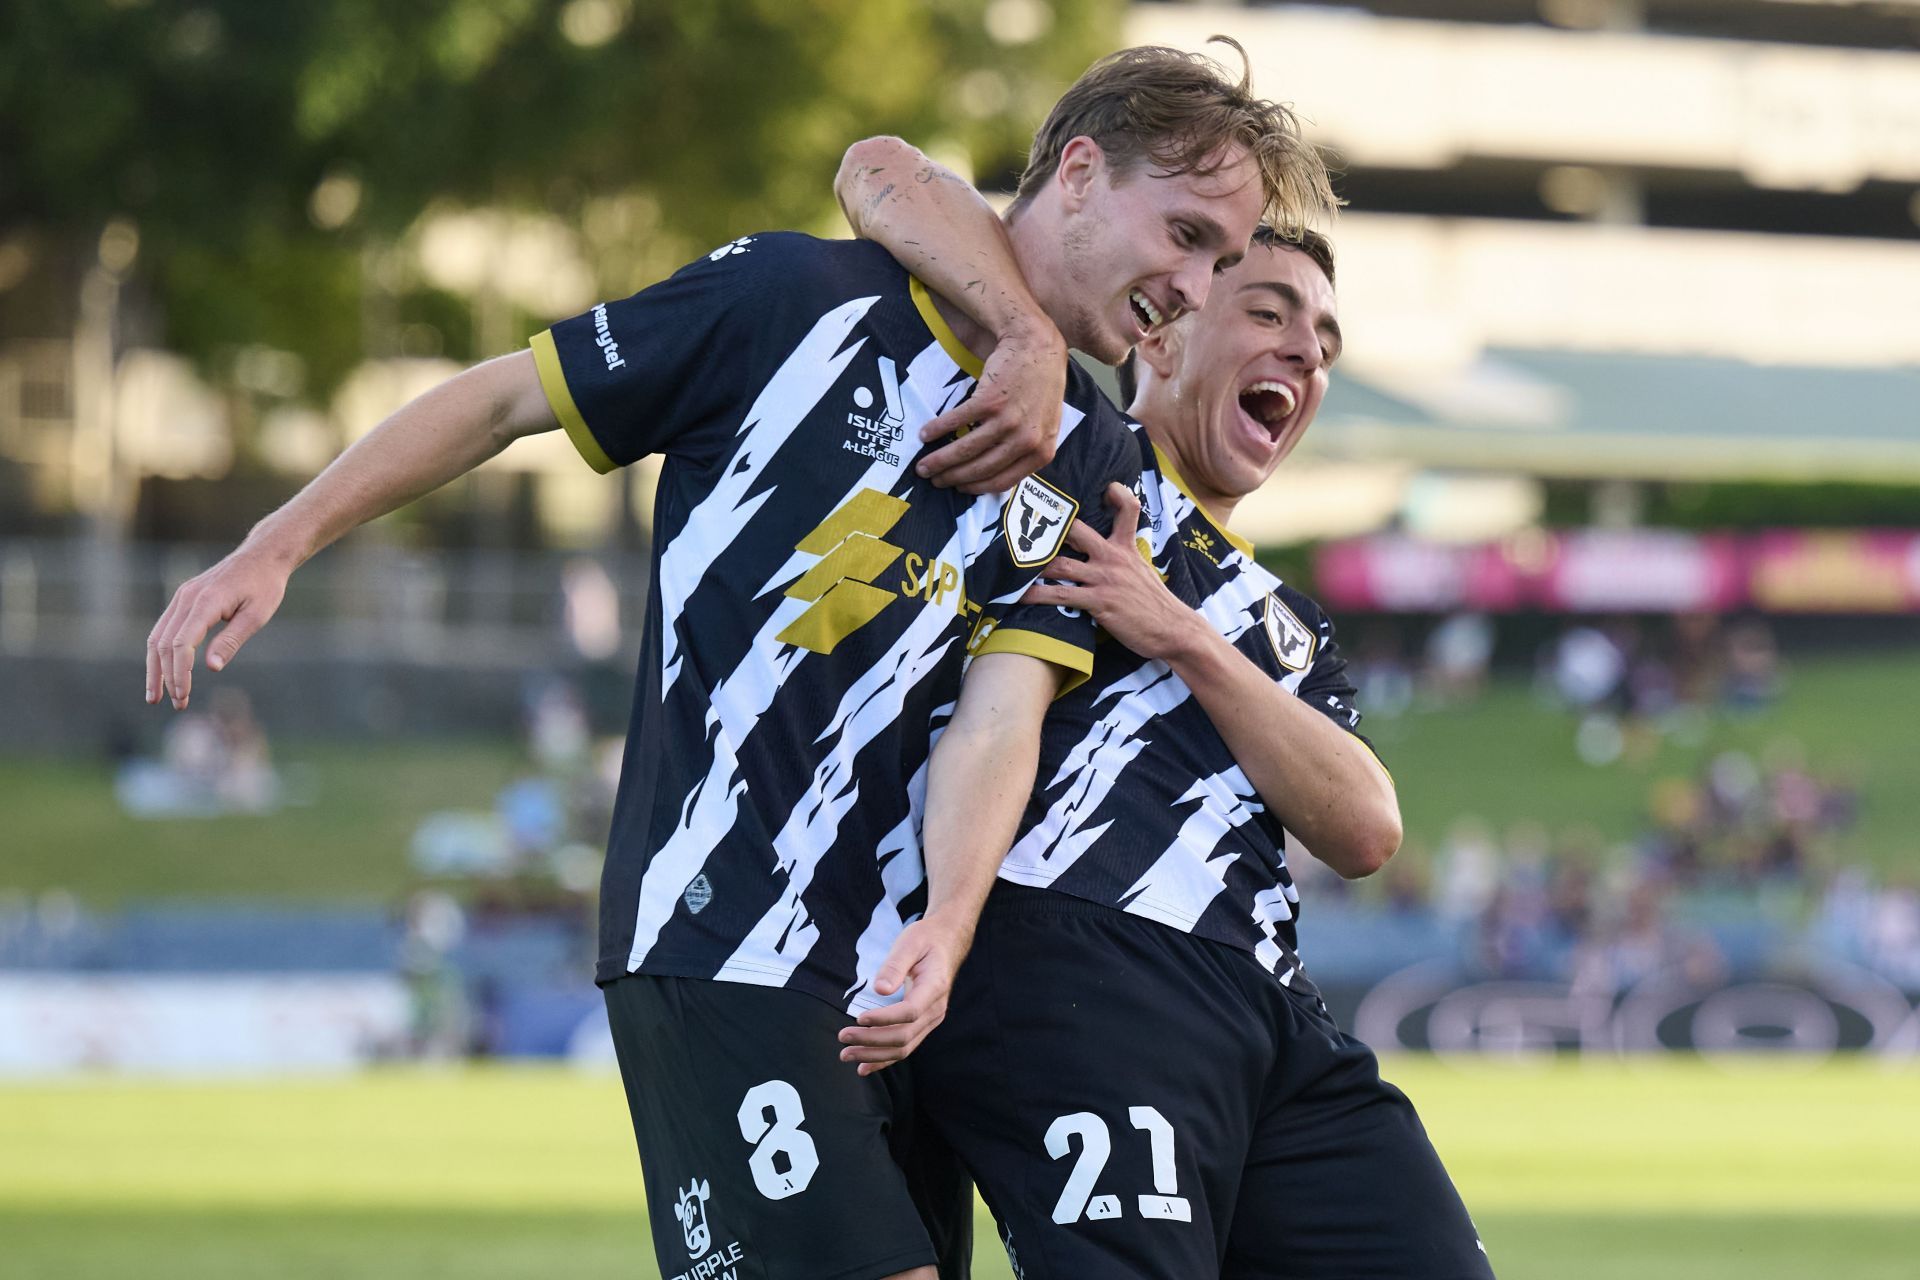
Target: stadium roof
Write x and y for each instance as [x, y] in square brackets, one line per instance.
[1561, 413]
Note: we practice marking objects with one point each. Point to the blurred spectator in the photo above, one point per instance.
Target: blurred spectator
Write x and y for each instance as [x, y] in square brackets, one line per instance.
[1753, 667]
[441, 1022]
[1385, 685]
[211, 763]
[1587, 668]
[1459, 651]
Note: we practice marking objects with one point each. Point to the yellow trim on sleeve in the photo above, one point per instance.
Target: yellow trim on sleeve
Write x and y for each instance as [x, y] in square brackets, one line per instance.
[1077, 661]
[1167, 470]
[553, 381]
[1376, 757]
[942, 332]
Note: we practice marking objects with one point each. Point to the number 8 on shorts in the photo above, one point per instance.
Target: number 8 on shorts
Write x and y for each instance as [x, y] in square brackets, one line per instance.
[770, 1117]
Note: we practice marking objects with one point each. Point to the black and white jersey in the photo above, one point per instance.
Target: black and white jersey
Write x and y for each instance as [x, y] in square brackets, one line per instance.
[1139, 804]
[813, 601]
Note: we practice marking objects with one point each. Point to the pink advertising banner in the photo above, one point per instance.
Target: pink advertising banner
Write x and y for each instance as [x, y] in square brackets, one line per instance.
[1628, 571]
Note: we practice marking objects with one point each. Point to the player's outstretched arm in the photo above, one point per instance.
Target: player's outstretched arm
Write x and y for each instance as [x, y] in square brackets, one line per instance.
[440, 435]
[978, 780]
[940, 229]
[1323, 782]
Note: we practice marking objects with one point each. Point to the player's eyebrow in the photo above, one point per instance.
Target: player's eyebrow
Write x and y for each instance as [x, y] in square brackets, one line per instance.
[1325, 324]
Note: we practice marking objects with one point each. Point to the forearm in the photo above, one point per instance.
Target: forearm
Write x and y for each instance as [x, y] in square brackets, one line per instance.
[979, 778]
[431, 440]
[1322, 782]
[940, 229]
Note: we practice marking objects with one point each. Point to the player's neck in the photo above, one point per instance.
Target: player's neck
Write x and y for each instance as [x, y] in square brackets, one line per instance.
[1218, 506]
[973, 335]
[977, 337]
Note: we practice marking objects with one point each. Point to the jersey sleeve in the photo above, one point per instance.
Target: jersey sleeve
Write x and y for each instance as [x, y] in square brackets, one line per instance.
[1082, 472]
[658, 372]
[1328, 686]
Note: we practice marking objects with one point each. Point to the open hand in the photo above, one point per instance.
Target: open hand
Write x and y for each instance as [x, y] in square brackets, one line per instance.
[1117, 583]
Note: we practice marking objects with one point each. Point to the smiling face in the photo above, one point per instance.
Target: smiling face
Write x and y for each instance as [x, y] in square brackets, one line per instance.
[1228, 393]
[1138, 249]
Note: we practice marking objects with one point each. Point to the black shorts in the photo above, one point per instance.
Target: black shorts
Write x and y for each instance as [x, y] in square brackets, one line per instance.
[767, 1158]
[1136, 1102]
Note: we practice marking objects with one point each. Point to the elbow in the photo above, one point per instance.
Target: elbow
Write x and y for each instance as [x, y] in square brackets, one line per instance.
[1372, 847]
[869, 155]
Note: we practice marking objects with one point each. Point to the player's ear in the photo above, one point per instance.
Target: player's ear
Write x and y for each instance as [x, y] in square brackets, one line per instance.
[1081, 162]
[1160, 350]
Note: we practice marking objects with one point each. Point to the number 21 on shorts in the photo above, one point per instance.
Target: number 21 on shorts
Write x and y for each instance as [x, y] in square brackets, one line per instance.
[784, 1158]
[1077, 1198]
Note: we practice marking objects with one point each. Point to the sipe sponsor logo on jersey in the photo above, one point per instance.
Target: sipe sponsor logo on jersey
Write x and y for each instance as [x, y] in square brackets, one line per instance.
[603, 339]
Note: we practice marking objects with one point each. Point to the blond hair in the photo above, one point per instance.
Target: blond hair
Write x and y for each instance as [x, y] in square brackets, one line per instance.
[1182, 113]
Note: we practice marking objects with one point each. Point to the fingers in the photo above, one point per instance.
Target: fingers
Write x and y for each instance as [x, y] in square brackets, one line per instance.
[972, 445]
[959, 419]
[1046, 593]
[239, 629]
[1126, 515]
[996, 470]
[885, 1036]
[153, 661]
[1085, 539]
[178, 649]
[1071, 570]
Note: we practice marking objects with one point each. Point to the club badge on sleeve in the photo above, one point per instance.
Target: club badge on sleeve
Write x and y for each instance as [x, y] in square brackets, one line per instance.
[1035, 521]
[1293, 640]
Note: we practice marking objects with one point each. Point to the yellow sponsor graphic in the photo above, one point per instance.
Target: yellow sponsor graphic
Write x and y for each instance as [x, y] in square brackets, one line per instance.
[852, 554]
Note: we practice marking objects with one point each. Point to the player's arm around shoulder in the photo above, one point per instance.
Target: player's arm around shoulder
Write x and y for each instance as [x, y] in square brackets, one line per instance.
[978, 780]
[947, 236]
[441, 434]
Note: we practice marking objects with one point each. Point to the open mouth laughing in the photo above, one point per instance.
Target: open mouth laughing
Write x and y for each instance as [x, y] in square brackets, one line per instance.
[1145, 314]
[1268, 405]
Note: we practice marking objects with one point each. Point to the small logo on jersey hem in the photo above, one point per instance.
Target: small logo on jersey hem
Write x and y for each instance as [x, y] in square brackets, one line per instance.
[1035, 521]
[699, 893]
[690, 1210]
[1293, 640]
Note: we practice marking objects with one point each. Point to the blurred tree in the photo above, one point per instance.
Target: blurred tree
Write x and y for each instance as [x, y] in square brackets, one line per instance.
[270, 156]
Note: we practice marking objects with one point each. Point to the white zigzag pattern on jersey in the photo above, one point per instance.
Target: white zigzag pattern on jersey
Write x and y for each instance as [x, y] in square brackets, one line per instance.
[1187, 875]
[1096, 762]
[789, 396]
[785, 935]
[1148, 692]
[901, 871]
[1271, 906]
[929, 389]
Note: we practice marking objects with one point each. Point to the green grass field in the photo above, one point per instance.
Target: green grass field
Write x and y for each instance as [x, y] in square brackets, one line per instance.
[1503, 758]
[1646, 1169]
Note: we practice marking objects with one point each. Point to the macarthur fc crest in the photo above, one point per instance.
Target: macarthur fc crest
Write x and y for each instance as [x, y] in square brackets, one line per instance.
[1035, 520]
[1293, 640]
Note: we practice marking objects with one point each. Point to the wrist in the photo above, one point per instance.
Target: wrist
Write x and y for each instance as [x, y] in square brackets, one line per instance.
[1189, 642]
[1029, 326]
[274, 541]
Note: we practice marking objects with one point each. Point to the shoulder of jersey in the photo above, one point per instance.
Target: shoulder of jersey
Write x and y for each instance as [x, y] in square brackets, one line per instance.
[1307, 610]
[791, 262]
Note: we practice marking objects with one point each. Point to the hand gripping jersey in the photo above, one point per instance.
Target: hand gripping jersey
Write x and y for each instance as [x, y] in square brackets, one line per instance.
[813, 602]
[1139, 804]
